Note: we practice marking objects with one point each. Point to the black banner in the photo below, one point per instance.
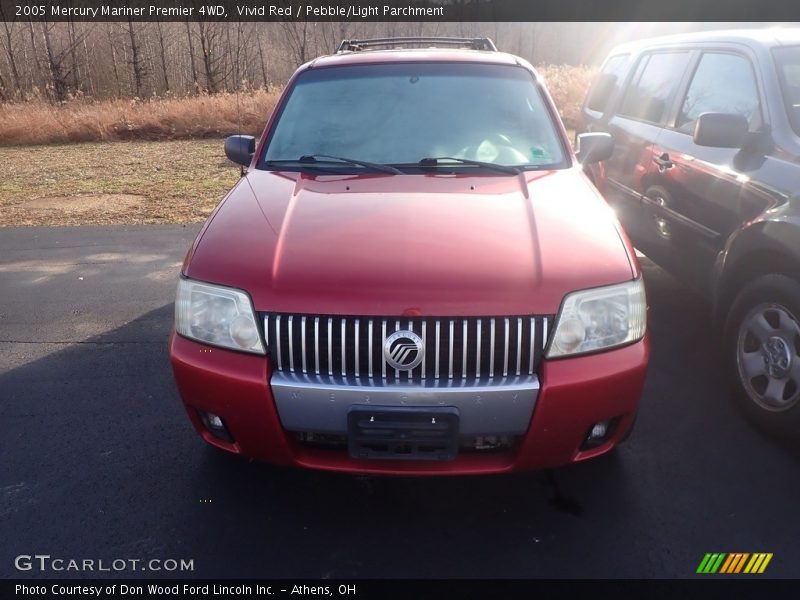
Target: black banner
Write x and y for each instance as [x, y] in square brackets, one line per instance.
[402, 10]
[108, 589]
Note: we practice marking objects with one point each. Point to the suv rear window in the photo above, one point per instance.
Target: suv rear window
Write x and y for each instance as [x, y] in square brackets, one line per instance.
[653, 86]
[398, 114]
[787, 60]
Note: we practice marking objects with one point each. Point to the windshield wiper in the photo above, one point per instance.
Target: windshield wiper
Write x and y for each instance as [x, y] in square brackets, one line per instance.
[315, 159]
[439, 161]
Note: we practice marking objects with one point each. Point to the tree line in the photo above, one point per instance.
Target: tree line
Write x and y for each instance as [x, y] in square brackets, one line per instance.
[65, 60]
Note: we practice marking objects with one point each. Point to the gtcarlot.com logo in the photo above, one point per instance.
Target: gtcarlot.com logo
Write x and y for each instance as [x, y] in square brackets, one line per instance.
[734, 563]
[45, 562]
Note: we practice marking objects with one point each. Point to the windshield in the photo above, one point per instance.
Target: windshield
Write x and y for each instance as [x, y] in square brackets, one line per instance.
[400, 114]
[787, 60]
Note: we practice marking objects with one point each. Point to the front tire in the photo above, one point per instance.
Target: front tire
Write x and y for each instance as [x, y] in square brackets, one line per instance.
[762, 348]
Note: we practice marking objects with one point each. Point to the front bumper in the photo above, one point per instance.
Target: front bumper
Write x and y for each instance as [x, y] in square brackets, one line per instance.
[573, 394]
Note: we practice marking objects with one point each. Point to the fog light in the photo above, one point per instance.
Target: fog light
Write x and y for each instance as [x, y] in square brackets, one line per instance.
[216, 426]
[600, 433]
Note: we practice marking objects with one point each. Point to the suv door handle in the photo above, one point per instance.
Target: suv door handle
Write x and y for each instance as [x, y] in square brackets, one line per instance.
[663, 161]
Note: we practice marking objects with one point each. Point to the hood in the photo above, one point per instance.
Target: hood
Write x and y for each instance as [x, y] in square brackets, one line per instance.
[434, 245]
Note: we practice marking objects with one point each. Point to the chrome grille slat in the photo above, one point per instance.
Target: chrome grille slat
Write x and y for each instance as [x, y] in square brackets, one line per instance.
[410, 374]
[450, 354]
[343, 355]
[464, 354]
[533, 342]
[316, 345]
[460, 349]
[369, 344]
[291, 346]
[491, 347]
[330, 347]
[425, 344]
[278, 338]
[303, 342]
[383, 336]
[505, 354]
[396, 371]
[436, 352]
[544, 334]
[358, 341]
[478, 353]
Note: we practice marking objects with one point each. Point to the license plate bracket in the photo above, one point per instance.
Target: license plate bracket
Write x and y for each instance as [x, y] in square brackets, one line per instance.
[403, 433]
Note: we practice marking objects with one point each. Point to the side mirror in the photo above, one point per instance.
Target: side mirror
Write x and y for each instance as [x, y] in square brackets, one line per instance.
[720, 130]
[240, 149]
[594, 147]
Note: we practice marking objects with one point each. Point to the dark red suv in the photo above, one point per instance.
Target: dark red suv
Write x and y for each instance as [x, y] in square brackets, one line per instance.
[413, 276]
[705, 177]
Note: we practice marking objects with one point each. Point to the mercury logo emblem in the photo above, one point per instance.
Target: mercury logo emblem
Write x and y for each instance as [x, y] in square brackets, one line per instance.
[403, 350]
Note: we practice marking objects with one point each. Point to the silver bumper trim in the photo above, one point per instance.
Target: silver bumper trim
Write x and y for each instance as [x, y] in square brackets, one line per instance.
[320, 405]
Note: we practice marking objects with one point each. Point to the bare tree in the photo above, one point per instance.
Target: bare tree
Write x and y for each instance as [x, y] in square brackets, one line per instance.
[57, 86]
[264, 77]
[3, 93]
[114, 62]
[8, 43]
[209, 35]
[137, 68]
[195, 84]
[163, 54]
[88, 68]
[36, 69]
[73, 45]
[296, 34]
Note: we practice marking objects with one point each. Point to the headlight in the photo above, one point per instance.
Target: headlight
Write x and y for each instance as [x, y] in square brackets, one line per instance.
[599, 319]
[217, 315]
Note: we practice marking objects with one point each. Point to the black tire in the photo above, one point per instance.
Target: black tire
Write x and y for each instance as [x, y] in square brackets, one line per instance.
[762, 333]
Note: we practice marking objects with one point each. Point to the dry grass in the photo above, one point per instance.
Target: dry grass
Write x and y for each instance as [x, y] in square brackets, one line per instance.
[122, 183]
[568, 86]
[37, 122]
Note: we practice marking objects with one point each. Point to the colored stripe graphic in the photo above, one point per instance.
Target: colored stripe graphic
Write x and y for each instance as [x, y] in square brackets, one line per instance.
[703, 564]
[729, 563]
[758, 563]
[741, 562]
[723, 563]
[716, 565]
[734, 563]
[711, 563]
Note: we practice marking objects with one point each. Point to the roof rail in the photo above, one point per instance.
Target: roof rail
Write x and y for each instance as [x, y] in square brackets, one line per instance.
[472, 43]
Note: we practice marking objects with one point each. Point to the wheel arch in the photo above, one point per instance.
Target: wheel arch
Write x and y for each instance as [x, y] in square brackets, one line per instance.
[762, 248]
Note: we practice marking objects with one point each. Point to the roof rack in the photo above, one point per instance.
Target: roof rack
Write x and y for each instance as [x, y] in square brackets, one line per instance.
[393, 42]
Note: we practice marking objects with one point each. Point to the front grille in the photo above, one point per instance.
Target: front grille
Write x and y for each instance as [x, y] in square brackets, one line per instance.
[461, 349]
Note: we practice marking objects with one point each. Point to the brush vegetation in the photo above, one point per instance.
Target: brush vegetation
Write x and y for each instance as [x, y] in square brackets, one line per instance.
[197, 117]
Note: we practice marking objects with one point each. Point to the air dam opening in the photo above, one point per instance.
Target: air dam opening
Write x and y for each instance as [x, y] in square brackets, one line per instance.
[483, 444]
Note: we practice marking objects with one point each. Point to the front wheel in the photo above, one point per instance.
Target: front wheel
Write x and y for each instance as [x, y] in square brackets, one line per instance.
[762, 343]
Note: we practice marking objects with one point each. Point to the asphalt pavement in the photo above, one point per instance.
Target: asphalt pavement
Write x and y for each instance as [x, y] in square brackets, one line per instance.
[98, 460]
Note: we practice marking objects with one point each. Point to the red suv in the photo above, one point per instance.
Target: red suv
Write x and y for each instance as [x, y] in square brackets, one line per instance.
[413, 276]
